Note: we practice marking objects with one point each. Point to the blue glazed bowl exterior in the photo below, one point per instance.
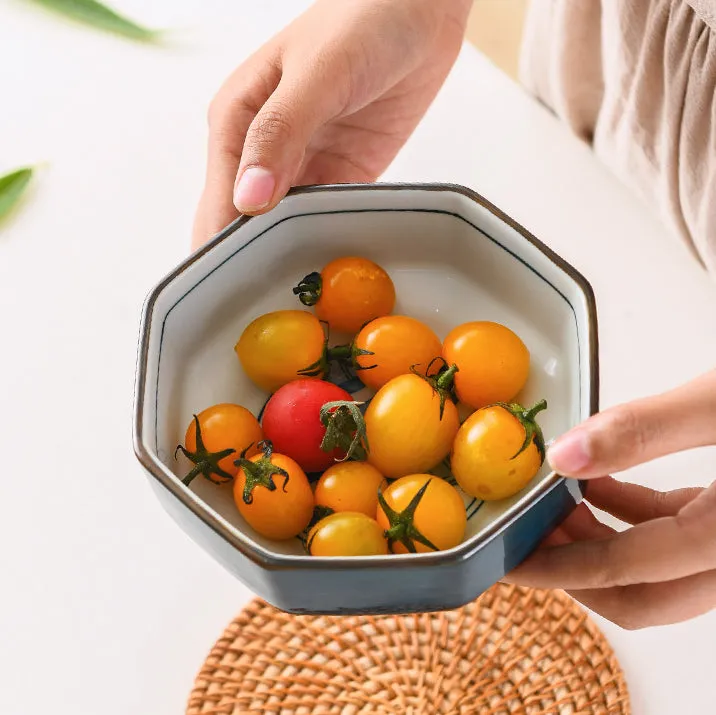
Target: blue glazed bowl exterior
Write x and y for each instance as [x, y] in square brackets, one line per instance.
[335, 589]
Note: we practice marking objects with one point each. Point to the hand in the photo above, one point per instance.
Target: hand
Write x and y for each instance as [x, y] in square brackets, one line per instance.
[663, 569]
[330, 99]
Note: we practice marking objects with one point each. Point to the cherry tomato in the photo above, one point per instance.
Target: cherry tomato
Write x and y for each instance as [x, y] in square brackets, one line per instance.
[216, 437]
[350, 486]
[494, 363]
[390, 346]
[272, 493]
[292, 422]
[347, 534]
[497, 451]
[421, 512]
[277, 347]
[348, 293]
[406, 433]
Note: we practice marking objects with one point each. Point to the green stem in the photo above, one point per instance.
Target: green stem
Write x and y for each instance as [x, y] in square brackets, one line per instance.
[261, 472]
[205, 463]
[322, 366]
[401, 524]
[535, 409]
[442, 381]
[345, 429]
[527, 418]
[309, 289]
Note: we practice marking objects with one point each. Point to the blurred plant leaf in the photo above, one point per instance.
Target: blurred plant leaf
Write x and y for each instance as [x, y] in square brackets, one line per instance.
[12, 187]
[94, 13]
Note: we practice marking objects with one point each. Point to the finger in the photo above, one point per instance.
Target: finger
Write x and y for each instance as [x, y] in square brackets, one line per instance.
[653, 604]
[634, 503]
[278, 136]
[639, 431]
[580, 524]
[230, 116]
[583, 525]
[660, 550]
[557, 537]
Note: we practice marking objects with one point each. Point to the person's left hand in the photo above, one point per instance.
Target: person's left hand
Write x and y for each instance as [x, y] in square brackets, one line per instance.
[662, 569]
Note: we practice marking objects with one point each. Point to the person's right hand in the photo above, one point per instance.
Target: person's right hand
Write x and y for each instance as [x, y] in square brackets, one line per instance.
[330, 99]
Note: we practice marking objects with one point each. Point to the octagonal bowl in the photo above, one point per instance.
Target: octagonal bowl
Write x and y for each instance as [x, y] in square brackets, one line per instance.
[454, 258]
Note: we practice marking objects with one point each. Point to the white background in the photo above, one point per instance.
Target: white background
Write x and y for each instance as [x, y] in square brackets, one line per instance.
[104, 604]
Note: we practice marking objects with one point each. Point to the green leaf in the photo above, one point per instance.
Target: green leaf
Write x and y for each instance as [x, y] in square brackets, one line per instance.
[12, 187]
[94, 13]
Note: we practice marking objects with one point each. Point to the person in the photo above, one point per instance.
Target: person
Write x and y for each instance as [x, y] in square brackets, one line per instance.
[334, 96]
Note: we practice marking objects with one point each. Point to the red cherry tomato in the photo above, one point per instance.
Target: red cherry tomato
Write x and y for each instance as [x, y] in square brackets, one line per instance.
[292, 422]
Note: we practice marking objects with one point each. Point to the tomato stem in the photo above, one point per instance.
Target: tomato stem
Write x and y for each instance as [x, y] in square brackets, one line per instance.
[260, 472]
[205, 463]
[527, 418]
[442, 381]
[320, 512]
[345, 429]
[347, 356]
[309, 289]
[322, 366]
[402, 527]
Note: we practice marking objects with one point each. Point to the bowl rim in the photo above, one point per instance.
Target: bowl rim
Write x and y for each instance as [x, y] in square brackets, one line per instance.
[275, 561]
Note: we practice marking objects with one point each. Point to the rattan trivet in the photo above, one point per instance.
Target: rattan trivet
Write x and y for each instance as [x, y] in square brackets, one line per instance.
[514, 650]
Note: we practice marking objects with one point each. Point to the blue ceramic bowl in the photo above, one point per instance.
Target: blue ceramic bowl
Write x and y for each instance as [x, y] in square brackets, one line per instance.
[453, 257]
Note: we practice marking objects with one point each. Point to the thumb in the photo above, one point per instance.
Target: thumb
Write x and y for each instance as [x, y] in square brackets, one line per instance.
[276, 142]
[639, 431]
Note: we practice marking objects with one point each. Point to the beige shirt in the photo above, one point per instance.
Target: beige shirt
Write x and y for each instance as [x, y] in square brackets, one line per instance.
[637, 79]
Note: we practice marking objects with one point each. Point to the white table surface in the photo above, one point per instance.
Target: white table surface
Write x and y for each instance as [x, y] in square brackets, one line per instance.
[105, 606]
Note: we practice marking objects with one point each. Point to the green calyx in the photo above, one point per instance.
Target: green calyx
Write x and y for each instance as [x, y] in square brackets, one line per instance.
[320, 512]
[402, 527]
[261, 472]
[205, 463]
[345, 429]
[441, 381]
[527, 418]
[309, 289]
[347, 357]
[322, 366]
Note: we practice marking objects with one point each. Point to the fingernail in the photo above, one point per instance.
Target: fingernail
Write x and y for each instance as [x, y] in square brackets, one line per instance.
[570, 454]
[254, 189]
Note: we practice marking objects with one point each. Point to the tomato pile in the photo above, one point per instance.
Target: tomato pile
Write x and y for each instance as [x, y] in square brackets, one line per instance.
[380, 476]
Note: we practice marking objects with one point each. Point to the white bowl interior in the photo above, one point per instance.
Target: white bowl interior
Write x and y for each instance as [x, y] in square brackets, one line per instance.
[451, 260]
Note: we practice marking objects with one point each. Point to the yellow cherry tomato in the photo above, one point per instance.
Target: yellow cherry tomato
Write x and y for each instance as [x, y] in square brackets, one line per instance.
[216, 437]
[273, 494]
[388, 347]
[405, 431]
[277, 347]
[497, 451]
[350, 486]
[347, 534]
[422, 513]
[494, 363]
[348, 293]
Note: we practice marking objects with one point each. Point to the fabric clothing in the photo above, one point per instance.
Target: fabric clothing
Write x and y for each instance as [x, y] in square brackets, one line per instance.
[637, 79]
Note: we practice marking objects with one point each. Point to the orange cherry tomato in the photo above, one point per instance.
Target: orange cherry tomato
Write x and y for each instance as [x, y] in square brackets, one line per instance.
[422, 513]
[282, 346]
[406, 433]
[497, 451]
[216, 437]
[273, 494]
[494, 363]
[348, 293]
[390, 346]
[350, 486]
[347, 534]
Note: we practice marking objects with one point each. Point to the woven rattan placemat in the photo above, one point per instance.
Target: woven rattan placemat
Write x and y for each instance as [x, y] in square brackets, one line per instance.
[514, 650]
